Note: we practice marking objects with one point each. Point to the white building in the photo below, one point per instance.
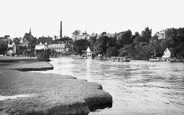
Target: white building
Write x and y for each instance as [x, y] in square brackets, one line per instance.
[80, 36]
[89, 53]
[167, 54]
[62, 47]
[41, 46]
[161, 34]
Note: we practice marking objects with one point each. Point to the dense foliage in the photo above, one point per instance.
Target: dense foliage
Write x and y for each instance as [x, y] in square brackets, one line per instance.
[80, 46]
[44, 55]
[3, 48]
[136, 46]
[3, 45]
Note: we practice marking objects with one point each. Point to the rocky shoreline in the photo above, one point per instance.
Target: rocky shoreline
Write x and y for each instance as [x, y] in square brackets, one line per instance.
[50, 94]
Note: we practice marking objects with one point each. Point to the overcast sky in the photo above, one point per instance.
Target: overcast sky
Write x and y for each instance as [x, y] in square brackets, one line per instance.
[44, 16]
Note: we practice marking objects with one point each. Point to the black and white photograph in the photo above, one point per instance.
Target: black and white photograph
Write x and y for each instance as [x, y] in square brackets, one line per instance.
[91, 57]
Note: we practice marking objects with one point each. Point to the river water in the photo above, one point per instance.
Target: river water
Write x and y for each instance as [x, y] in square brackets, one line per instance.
[137, 87]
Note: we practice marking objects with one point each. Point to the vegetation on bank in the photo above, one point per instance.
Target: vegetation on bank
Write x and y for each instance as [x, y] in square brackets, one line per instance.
[141, 46]
[136, 46]
[44, 55]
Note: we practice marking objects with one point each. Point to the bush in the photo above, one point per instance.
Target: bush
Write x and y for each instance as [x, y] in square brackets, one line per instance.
[3, 48]
[44, 56]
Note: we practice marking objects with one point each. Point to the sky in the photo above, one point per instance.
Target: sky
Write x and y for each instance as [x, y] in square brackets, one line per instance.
[93, 16]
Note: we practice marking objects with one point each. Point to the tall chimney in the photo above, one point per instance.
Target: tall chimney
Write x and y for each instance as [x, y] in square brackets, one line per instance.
[61, 30]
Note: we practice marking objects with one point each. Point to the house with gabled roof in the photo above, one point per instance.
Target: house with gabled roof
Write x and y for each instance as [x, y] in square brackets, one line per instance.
[28, 40]
[167, 54]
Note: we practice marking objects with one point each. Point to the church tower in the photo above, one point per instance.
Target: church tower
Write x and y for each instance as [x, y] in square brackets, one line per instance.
[30, 31]
[61, 30]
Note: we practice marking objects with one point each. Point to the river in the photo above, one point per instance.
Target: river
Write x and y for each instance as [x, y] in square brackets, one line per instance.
[137, 87]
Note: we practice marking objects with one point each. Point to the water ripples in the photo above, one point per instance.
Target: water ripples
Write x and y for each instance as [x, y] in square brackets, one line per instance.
[137, 87]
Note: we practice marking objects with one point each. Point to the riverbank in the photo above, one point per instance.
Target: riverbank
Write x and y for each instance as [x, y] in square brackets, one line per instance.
[26, 93]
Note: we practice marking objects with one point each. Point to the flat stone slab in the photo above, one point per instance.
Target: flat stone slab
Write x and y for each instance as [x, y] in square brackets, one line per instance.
[24, 64]
[50, 94]
[10, 58]
[32, 66]
[29, 93]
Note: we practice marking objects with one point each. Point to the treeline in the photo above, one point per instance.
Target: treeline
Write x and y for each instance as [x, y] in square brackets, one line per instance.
[136, 46]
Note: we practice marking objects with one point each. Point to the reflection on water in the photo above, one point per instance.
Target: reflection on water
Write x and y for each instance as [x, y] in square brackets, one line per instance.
[137, 87]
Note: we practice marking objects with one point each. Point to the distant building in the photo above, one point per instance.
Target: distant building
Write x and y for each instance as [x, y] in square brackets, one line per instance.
[79, 36]
[61, 47]
[89, 54]
[27, 45]
[41, 46]
[161, 34]
[43, 40]
[11, 49]
[167, 53]
[28, 40]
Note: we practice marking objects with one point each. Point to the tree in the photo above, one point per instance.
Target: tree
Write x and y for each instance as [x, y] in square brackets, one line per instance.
[44, 55]
[76, 32]
[127, 50]
[3, 44]
[124, 38]
[180, 34]
[134, 36]
[16, 41]
[55, 37]
[174, 40]
[92, 41]
[103, 33]
[112, 41]
[179, 50]
[170, 32]
[142, 51]
[3, 48]
[146, 35]
[137, 39]
[79, 46]
[101, 45]
[154, 45]
[111, 51]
